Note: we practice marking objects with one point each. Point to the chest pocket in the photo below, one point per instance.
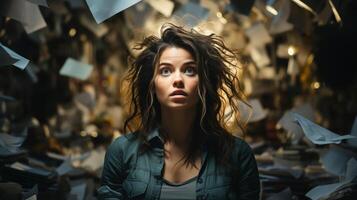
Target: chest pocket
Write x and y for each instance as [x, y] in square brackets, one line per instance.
[136, 183]
[219, 186]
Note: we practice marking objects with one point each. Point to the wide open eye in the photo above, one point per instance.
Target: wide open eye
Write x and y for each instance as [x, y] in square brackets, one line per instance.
[191, 71]
[165, 71]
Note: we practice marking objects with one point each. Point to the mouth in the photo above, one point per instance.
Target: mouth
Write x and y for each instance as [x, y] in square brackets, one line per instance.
[178, 92]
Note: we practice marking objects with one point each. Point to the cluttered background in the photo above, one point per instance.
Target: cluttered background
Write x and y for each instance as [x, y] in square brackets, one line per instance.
[61, 62]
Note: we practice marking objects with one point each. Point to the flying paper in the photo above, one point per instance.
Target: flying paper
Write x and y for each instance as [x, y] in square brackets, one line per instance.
[9, 141]
[258, 35]
[353, 142]
[324, 190]
[318, 134]
[103, 10]
[25, 12]
[335, 160]
[191, 14]
[279, 23]
[21, 62]
[76, 69]
[252, 115]
[165, 7]
[288, 122]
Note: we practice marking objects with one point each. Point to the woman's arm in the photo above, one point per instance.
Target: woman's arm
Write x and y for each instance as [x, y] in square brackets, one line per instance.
[113, 173]
[248, 175]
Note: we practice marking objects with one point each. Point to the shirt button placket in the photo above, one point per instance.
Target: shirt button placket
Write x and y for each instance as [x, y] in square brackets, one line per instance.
[200, 181]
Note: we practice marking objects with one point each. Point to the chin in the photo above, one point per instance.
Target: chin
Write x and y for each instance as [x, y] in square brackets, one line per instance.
[177, 106]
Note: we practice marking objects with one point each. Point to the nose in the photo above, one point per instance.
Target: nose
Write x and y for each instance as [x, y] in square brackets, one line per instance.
[178, 81]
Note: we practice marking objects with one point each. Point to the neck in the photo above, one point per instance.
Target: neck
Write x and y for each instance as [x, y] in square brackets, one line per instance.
[177, 125]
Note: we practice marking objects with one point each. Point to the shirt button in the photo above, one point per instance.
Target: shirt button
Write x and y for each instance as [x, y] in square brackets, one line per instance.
[200, 180]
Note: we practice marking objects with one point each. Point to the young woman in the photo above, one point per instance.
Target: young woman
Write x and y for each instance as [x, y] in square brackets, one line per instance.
[179, 86]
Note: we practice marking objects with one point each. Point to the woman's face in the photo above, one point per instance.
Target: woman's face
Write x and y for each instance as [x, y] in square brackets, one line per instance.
[176, 80]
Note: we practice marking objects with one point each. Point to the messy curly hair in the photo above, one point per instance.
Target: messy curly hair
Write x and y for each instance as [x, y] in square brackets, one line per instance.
[218, 88]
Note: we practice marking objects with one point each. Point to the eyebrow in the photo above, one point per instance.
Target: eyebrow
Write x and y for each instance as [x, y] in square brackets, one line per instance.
[186, 63]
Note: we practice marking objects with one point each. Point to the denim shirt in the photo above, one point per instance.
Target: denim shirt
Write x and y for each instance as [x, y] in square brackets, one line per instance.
[129, 174]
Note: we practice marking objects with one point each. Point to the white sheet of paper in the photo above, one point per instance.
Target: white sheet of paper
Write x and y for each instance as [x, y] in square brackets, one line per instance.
[279, 23]
[282, 51]
[318, 134]
[191, 14]
[21, 62]
[39, 2]
[353, 142]
[165, 7]
[293, 67]
[25, 12]
[76, 69]
[267, 72]
[258, 35]
[288, 122]
[335, 160]
[37, 22]
[102, 10]
[351, 169]
[20, 166]
[324, 190]
[255, 114]
[33, 197]
[9, 141]
[95, 160]
[5, 58]
[259, 56]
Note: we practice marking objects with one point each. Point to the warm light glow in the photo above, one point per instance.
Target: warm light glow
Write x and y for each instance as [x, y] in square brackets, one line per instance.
[221, 18]
[93, 133]
[310, 59]
[271, 10]
[316, 85]
[72, 32]
[83, 133]
[2, 32]
[291, 50]
[305, 6]
[335, 12]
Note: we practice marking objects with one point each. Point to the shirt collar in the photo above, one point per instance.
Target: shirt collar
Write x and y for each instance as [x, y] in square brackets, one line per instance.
[154, 136]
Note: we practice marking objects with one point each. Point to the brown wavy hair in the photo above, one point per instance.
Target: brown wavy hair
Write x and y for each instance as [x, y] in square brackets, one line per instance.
[218, 87]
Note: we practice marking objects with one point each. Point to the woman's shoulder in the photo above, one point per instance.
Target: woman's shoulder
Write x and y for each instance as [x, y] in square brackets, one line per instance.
[241, 148]
[240, 142]
[126, 141]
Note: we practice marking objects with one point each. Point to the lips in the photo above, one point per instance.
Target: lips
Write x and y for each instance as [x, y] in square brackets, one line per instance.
[178, 92]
